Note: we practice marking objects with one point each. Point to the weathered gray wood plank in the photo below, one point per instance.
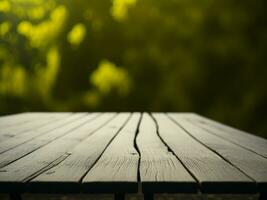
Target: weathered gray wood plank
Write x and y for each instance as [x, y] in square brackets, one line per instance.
[94, 157]
[34, 133]
[252, 164]
[14, 175]
[37, 121]
[242, 138]
[70, 124]
[117, 169]
[24, 118]
[9, 119]
[13, 120]
[160, 170]
[66, 176]
[214, 174]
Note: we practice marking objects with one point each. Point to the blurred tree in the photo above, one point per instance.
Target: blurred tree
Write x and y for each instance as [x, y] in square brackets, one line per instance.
[203, 56]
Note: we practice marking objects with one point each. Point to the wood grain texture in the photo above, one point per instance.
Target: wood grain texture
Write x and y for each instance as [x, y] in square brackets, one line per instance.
[66, 176]
[252, 164]
[35, 133]
[29, 124]
[113, 153]
[13, 119]
[36, 143]
[117, 169]
[242, 138]
[214, 174]
[17, 119]
[13, 176]
[160, 170]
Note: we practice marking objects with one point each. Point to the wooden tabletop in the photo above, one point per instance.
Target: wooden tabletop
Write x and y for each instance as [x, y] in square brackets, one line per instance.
[127, 153]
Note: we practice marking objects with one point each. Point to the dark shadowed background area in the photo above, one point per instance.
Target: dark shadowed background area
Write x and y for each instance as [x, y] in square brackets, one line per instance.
[204, 56]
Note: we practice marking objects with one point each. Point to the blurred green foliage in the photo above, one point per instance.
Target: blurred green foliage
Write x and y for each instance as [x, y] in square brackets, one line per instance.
[204, 56]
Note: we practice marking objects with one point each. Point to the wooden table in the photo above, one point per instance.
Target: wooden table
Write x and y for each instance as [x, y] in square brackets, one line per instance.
[123, 153]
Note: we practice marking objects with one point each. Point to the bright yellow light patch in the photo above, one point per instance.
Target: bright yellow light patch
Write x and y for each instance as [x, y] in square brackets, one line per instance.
[4, 6]
[4, 28]
[24, 28]
[41, 34]
[77, 34]
[47, 75]
[12, 80]
[108, 77]
[119, 9]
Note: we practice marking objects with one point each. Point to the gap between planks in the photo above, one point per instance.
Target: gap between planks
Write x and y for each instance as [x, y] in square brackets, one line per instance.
[214, 174]
[21, 169]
